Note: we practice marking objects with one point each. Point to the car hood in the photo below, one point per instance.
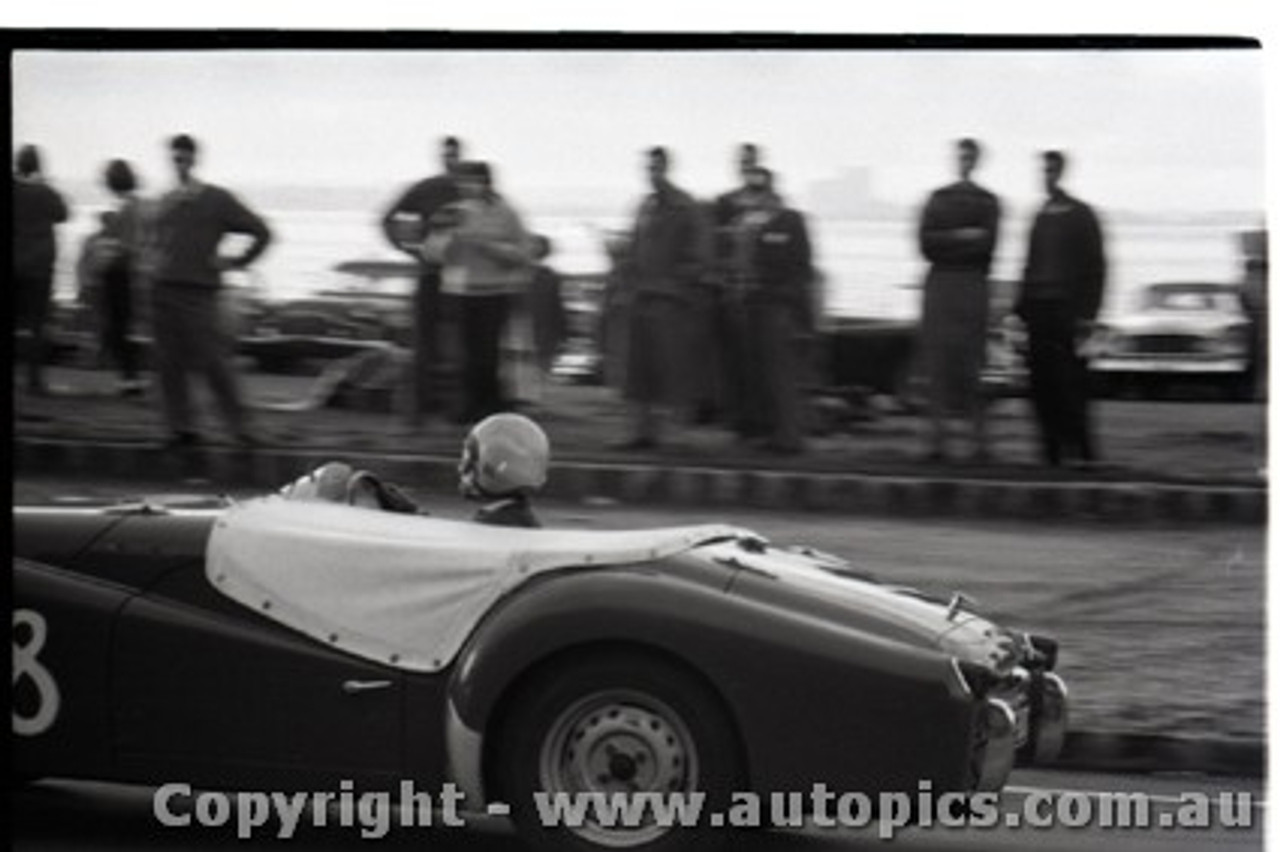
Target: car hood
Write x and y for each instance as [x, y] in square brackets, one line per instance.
[823, 586]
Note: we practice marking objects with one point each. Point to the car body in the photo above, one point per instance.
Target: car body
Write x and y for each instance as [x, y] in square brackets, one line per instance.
[282, 644]
[1180, 332]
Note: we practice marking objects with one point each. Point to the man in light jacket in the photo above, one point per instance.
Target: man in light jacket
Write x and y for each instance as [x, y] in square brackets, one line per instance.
[485, 253]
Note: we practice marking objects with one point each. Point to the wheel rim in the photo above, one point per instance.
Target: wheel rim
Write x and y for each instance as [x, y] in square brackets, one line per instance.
[619, 741]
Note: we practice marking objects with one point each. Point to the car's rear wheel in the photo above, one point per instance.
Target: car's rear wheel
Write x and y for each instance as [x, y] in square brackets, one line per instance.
[601, 729]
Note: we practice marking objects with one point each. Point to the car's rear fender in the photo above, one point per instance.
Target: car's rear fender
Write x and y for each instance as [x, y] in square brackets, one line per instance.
[56, 535]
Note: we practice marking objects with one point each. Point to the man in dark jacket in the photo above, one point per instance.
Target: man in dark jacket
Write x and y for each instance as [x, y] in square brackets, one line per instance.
[724, 324]
[958, 231]
[775, 272]
[407, 224]
[187, 314]
[1062, 288]
[37, 208]
[669, 255]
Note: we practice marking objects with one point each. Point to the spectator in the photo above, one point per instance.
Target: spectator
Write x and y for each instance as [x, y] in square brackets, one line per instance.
[1061, 292]
[732, 204]
[958, 232]
[118, 273]
[192, 220]
[407, 224]
[485, 256]
[1253, 296]
[722, 323]
[669, 254]
[775, 275]
[97, 252]
[613, 323]
[539, 324]
[37, 208]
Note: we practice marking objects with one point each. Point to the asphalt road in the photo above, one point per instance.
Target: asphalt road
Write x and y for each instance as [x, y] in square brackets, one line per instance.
[52, 816]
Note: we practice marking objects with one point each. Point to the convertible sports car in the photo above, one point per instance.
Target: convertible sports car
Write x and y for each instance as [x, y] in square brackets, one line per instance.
[1189, 331]
[290, 644]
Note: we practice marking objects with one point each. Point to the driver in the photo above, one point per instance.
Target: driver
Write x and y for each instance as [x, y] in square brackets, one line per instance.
[504, 461]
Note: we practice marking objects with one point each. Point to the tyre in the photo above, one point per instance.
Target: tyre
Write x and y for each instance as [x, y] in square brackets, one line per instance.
[618, 723]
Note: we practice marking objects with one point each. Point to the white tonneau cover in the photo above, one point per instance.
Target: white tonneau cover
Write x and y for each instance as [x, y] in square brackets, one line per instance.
[401, 589]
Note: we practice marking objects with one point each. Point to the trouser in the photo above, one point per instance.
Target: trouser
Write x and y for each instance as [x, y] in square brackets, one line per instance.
[1059, 384]
[658, 377]
[189, 338]
[426, 343]
[117, 298]
[35, 296]
[710, 396]
[740, 399]
[483, 318]
[775, 349]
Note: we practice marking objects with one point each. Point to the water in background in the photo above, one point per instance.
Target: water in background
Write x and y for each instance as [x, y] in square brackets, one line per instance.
[872, 268]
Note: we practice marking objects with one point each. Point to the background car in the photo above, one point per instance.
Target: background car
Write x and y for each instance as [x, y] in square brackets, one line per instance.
[1180, 333]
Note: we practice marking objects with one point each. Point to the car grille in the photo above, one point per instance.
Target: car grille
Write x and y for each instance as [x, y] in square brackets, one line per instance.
[1164, 344]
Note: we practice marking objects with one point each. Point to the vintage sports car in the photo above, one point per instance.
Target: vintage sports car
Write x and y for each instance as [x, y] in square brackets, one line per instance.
[290, 643]
[1181, 332]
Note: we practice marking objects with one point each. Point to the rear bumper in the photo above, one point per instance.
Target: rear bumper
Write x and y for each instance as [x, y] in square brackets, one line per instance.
[1170, 366]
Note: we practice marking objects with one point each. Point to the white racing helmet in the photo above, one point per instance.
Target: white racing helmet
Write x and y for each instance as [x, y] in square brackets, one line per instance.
[504, 454]
[326, 483]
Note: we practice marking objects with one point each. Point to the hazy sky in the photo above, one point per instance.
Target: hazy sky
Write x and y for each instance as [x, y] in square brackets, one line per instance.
[1148, 130]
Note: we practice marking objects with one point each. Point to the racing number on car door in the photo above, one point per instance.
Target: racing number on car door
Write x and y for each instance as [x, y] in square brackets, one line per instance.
[30, 631]
[62, 626]
[223, 692]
